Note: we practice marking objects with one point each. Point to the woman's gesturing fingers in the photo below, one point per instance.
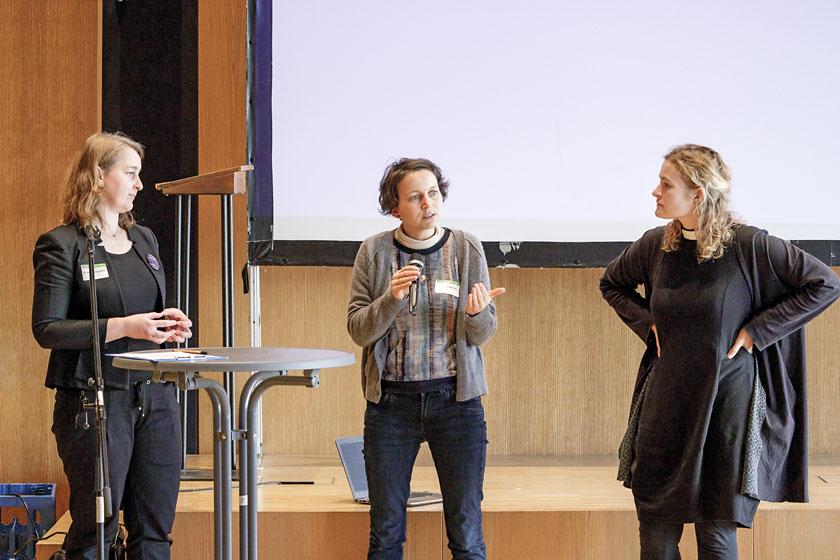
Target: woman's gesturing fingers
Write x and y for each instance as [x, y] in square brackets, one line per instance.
[479, 298]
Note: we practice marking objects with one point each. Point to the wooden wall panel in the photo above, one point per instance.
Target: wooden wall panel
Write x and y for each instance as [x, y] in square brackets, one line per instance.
[807, 534]
[561, 366]
[534, 508]
[307, 307]
[305, 536]
[221, 145]
[591, 535]
[50, 96]
[823, 359]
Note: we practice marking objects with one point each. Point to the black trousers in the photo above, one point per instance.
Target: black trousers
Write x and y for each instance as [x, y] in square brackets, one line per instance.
[144, 453]
[716, 540]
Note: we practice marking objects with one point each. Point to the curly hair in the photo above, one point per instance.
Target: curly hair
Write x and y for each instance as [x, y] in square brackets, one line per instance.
[396, 172]
[82, 193]
[703, 168]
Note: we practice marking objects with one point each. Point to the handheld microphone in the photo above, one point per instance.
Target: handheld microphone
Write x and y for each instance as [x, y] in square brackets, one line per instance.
[412, 290]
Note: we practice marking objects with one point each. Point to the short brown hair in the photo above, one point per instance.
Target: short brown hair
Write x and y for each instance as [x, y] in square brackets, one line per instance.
[82, 194]
[396, 172]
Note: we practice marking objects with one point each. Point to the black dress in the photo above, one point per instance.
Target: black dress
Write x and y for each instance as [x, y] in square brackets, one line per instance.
[787, 288]
[689, 449]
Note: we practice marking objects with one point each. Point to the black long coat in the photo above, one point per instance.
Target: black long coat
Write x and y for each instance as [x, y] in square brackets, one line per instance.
[789, 288]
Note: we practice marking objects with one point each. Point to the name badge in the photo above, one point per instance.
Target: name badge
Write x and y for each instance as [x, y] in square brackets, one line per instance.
[99, 271]
[449, 287]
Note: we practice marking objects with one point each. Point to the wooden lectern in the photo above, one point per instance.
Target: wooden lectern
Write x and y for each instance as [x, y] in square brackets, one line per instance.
[224, 183]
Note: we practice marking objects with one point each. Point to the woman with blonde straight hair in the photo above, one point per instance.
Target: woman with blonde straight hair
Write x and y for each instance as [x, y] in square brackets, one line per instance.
[83, 192]
[717, 420]
[143, 420]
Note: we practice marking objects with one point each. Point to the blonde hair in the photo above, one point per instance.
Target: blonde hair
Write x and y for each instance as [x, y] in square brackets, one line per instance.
[82, 193]
[703, 168]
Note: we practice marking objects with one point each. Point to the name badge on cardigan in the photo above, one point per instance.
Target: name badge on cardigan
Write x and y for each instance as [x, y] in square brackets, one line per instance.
[99, 271]
[449, 287]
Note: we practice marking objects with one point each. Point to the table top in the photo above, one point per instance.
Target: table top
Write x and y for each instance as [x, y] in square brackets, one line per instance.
[247, 359]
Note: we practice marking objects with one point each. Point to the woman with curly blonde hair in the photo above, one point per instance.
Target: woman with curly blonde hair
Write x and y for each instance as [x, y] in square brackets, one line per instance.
[717, 420]
[708, 177]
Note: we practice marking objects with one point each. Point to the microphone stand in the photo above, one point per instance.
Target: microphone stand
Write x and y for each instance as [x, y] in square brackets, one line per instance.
[104, 509]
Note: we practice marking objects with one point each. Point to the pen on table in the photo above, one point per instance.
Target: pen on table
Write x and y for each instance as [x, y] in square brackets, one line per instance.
[190, 351]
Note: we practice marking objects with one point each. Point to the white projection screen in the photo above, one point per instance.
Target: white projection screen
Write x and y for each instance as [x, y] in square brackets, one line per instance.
[549, 118]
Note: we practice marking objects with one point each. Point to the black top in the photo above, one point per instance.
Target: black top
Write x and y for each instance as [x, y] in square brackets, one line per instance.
[692, 428]
[130, 270]
[417, 387]
[61, 304]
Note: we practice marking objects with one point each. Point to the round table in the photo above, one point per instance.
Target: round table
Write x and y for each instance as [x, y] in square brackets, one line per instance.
[270, 367]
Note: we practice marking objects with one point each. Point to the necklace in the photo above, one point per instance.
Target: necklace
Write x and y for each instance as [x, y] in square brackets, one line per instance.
[110, 232]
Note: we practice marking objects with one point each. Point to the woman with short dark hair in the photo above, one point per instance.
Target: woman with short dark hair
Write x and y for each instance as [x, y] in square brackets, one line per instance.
[422, 367]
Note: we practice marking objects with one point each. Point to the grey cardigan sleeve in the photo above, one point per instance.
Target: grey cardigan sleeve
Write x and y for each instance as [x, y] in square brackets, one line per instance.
[480, 327]
[621, 279]
[812, 287]
[369, 316]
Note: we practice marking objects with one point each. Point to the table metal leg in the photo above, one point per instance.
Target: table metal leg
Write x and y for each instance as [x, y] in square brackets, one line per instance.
[222, 486]
[228, 334]
[218, 544]
[252, 393]
[247, 436]
[260, 386]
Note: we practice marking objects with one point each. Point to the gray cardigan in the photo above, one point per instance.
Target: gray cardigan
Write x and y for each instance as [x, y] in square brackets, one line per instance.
[372, 310]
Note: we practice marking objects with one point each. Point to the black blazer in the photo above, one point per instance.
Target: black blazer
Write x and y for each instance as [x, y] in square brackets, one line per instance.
[61, 305]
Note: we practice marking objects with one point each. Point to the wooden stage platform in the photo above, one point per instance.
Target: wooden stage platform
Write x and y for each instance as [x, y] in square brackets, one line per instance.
[533, 509]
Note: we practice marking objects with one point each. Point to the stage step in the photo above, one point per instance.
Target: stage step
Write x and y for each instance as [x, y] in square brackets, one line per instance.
[534, 508]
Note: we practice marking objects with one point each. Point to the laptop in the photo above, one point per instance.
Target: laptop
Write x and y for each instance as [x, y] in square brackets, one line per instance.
[353, 461]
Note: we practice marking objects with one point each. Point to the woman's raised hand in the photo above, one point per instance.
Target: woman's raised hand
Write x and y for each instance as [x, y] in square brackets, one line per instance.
[479, 298]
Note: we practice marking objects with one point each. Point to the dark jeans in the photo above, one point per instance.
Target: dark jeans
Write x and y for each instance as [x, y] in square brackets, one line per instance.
[144, 456]
[457, 435]
[716, 540]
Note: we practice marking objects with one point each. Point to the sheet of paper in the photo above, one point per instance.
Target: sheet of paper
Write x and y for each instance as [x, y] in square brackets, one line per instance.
[167, 356]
